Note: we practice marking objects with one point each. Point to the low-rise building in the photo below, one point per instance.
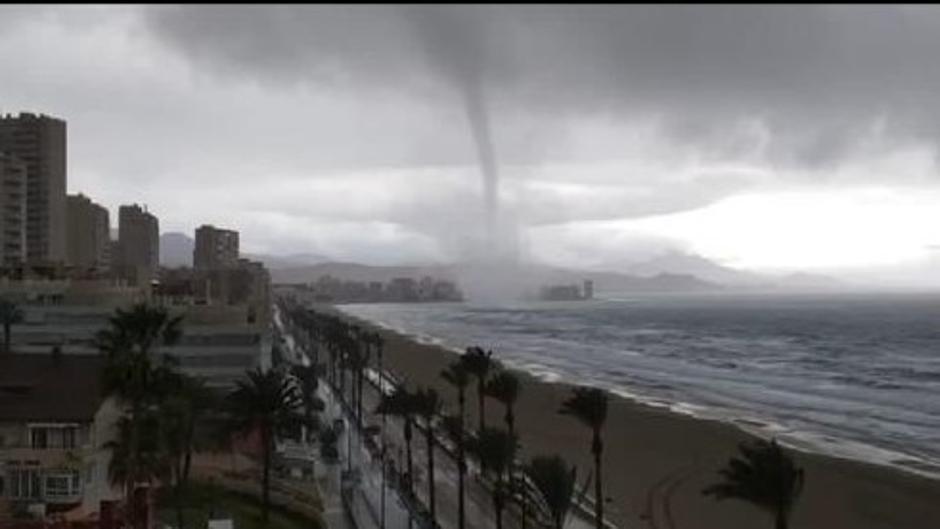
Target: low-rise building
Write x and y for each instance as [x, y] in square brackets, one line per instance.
[54, 425]
[217, 344]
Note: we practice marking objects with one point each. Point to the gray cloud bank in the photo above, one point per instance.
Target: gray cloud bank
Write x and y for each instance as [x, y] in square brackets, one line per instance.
[344, 129]
[818, 79]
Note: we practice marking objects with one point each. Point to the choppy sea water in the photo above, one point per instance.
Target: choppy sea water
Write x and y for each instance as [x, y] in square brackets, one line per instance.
[856, 376]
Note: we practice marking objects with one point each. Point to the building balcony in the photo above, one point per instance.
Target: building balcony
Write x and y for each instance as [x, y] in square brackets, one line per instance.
[64, 497]
[44, 457]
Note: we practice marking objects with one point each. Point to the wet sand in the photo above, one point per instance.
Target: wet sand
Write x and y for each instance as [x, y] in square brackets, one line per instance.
[657, 461]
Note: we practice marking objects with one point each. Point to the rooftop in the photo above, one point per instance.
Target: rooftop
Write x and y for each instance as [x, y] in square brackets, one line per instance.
[36, 387]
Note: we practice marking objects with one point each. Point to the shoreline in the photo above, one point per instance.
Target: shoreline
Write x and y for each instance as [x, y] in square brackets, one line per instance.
[804, 441]
[658, 459]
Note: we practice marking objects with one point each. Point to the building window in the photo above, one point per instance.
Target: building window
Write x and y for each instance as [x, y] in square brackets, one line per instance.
[39, 439]
[54, 437]
[68, 438]
[58, 486]
[25, 484]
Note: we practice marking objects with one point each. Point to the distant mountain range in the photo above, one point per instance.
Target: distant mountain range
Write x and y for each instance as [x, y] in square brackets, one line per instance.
[681, 263]
[277, 262]
[176, 249]
[670, 271]
[675, 262]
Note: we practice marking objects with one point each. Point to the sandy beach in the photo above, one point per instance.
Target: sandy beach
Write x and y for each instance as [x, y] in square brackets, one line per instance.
[657, 461]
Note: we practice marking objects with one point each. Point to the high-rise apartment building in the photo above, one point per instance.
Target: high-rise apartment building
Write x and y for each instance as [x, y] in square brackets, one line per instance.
[12, 210]
[39, 142]
[138, 245]
[215, 248]
[89, 239]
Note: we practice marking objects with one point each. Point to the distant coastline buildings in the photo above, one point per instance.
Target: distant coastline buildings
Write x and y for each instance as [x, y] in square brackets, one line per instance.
[328, 289]
[568, 292]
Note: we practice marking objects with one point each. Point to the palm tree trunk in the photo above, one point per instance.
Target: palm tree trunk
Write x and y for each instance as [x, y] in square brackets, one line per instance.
[510, 420]
[461, 464]
[359, 397]
[780, 519]
[342, 379]
[266, 442]
[432, 504]
[178, 493]
[408, 452]
[133, 471]
[498, 502]
[187, 465]
[188, 457]
[481, 403]
[333, 369]
[597, 447]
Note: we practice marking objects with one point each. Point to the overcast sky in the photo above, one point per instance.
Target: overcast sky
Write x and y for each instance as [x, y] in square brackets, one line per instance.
[771, 138]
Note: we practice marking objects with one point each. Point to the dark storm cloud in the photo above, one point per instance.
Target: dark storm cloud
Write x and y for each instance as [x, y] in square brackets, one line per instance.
[344, 130]
[817, 77]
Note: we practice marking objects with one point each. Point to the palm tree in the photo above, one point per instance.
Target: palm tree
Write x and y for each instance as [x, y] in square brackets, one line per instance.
[10, 314]
[379, 345]
[309, 382]
[142, 328]
[130, 343]
[334, 334]
[478, 363]
[589, 405]
[496, 449]
[765, 476]
[360, 364]
[504, 387]
[428, 405]
[267, 402]
[179, 418]
[456, 374]
[555, 482]
[136, 457]
[401, 404]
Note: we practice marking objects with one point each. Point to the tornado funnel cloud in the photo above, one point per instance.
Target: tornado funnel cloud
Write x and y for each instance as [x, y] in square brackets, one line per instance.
[458, 50]
[478, 117]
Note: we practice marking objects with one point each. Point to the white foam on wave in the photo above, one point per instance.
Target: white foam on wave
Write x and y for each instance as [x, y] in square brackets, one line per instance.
[539, 371]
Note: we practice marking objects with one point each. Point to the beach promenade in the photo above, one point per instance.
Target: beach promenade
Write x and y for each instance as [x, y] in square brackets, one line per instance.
[359, 491]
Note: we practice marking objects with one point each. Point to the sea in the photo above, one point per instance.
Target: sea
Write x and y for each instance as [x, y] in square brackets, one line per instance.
[850, 375]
